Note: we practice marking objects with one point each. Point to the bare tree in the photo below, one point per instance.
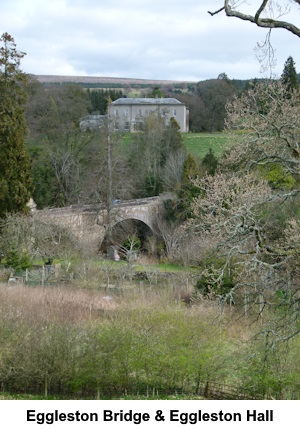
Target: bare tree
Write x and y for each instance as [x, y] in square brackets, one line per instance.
[107, 177]
[234, 211]
[37, 238]
[171, 236]
[130, 247]
[172, 170]
[161, 152]
[150, 146]
[267, 119]
[66, 154]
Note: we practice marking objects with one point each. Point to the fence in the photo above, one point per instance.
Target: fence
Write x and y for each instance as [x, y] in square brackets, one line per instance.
[206, 390]
[43, 275]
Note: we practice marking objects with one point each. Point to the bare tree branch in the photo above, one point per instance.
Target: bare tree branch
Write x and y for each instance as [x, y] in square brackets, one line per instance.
[262, 7]
[256, 19]
[216, 12]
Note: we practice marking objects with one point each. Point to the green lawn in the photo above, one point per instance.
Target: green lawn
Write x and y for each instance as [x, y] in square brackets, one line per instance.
[196, 143]
[199, 143]
[160, 267]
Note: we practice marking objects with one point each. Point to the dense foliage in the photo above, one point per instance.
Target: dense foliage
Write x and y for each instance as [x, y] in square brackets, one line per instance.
[75, 343]
[101, 98]
[15, 173]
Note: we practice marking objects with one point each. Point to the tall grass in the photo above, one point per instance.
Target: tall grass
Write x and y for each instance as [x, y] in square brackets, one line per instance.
[82, 343]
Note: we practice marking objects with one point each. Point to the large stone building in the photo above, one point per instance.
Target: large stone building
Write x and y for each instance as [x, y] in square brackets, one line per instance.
[128, 114]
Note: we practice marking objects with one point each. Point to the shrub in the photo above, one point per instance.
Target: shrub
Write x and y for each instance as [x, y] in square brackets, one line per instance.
[207, 288]
[277, 177]
[18, 261]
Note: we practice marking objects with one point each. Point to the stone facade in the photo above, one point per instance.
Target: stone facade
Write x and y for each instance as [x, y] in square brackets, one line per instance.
[128, 114]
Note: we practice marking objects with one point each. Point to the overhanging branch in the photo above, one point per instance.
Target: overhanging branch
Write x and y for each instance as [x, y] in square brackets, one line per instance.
[217, 11]
[256, 19]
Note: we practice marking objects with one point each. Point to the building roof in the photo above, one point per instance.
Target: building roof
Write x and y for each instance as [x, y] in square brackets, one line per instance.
[147, 101]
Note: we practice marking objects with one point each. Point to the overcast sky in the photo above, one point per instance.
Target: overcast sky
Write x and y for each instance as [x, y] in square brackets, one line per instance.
[150, 39]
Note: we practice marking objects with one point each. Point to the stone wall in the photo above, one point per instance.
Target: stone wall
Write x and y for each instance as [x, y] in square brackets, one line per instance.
[82, 223]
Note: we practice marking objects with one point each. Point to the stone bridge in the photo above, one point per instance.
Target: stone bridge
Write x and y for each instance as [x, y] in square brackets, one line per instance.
[89, 222]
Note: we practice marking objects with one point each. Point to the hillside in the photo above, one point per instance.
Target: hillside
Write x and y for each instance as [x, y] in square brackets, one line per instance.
[87, 80]
[120, 82]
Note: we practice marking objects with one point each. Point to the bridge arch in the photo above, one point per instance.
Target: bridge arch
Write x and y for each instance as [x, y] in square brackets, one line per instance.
[124, 228]
[145, 210]
[89, 222]
[148, 223]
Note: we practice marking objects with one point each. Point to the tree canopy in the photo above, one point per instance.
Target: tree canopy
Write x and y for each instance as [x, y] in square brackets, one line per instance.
[15, 172]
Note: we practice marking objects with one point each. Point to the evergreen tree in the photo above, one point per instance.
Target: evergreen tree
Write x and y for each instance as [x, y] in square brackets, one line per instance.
[15, 172]
[210, 162]
[289, 75]
[172, 139]
[189, 170]
[188, 191]
[100, 99]
[156, 93]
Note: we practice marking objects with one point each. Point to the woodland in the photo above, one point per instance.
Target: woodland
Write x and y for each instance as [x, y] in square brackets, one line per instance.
[205, 306]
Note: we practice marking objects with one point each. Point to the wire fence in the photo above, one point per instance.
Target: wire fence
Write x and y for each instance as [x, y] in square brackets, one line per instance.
[212, 391]
[205, 390]
[43, 275]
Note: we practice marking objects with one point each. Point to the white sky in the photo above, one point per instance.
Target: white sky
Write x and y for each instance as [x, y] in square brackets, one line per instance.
[150, 39]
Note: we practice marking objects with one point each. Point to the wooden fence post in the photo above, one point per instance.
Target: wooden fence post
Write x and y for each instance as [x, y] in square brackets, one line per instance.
[57, 270]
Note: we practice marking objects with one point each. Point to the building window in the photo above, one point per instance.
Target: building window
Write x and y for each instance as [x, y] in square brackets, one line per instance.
[174, 112]
[139, 125]
[126, 112]
[116, 125]
[140, 112]
[127, 126]
[116, 113]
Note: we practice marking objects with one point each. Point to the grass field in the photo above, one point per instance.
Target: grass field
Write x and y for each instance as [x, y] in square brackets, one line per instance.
[141, 267]
[196, 143]
[199, 143]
